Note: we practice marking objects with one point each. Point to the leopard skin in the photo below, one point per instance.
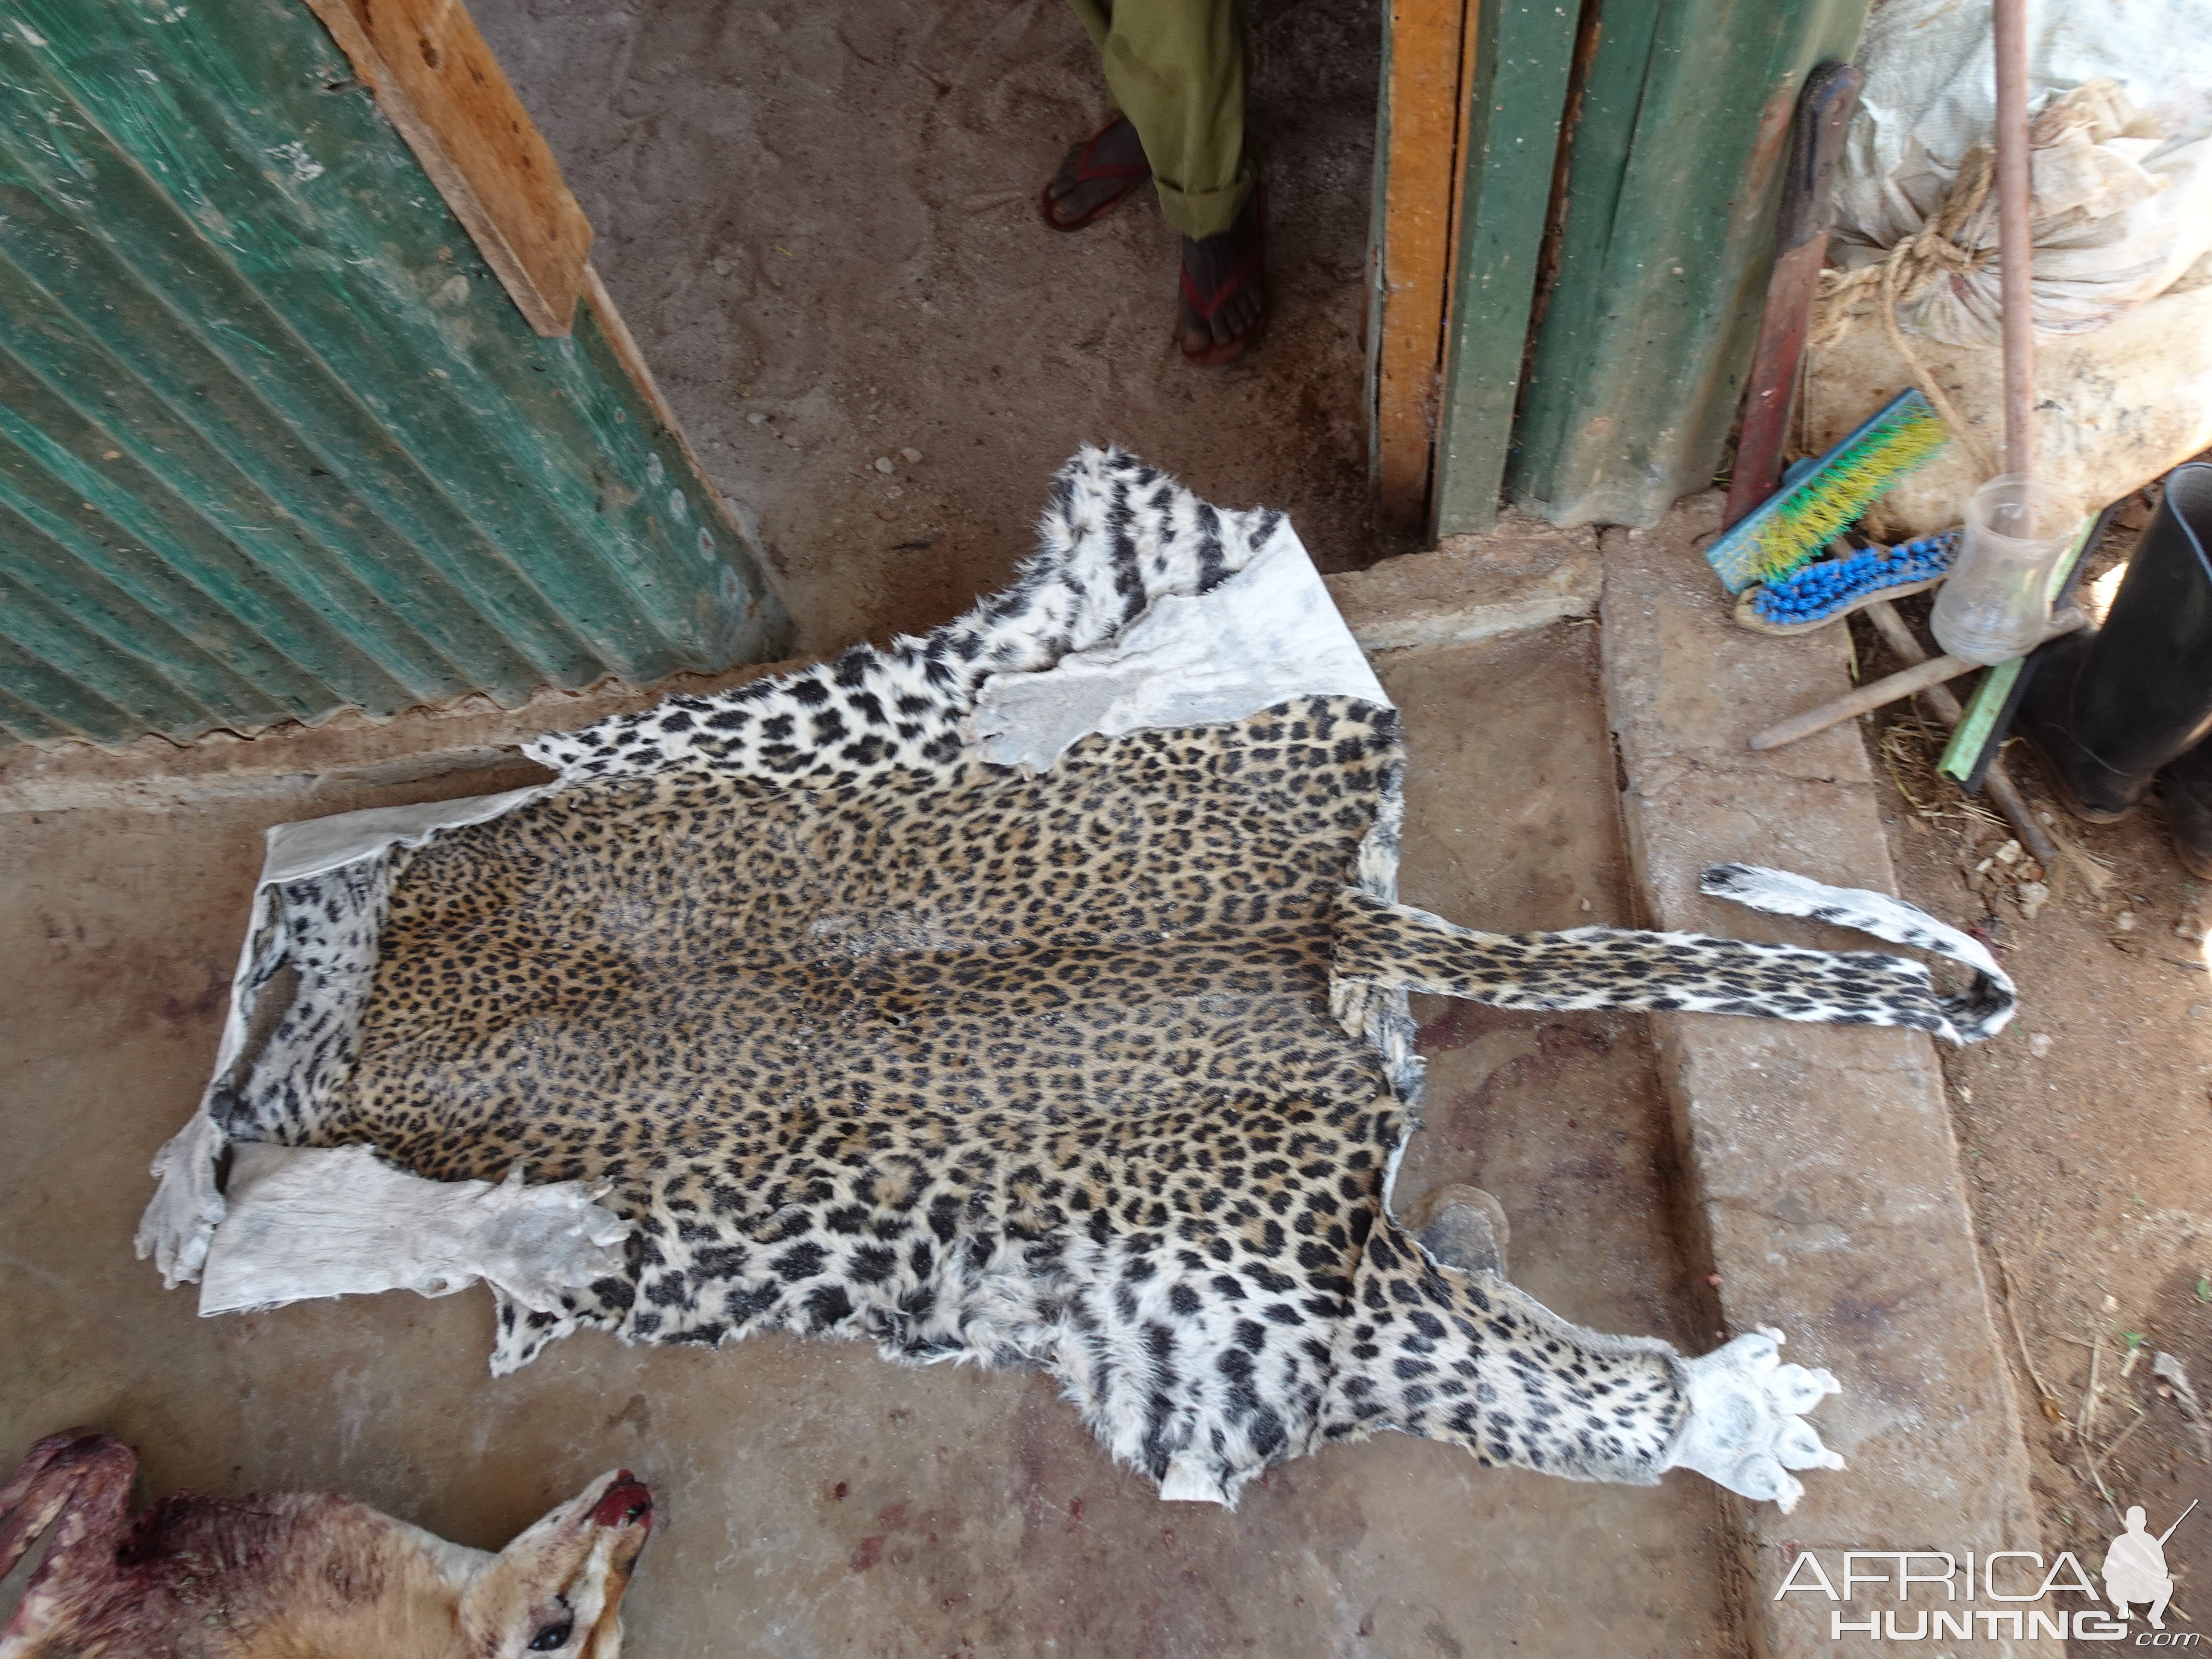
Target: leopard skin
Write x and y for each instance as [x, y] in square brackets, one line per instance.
[1101, 1070]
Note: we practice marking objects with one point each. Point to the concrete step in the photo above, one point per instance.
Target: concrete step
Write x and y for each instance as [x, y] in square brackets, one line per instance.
[1819, 1160]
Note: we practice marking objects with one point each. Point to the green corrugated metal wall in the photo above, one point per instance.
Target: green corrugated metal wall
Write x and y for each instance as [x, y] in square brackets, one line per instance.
[273, 443]
[1672, 184]
[1634, 355]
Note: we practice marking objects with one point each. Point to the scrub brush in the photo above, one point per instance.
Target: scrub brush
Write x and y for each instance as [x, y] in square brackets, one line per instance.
[1790, 527]
[1816, 594]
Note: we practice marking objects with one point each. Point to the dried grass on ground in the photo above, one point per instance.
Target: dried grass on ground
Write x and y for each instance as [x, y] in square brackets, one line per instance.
[2085, 1130]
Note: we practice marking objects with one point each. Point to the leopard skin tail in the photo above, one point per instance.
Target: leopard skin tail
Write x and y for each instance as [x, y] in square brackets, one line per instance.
[1398, 946]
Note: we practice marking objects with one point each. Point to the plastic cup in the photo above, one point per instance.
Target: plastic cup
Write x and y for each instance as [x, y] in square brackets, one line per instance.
[1996, 601]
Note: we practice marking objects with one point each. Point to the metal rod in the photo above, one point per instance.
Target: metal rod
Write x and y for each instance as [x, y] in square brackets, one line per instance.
[2014, 805]
[1871, 696]
[1995, 779]
[2016, 238]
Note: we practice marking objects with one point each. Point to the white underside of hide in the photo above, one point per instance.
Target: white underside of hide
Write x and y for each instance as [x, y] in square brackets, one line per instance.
[1266, 635]
[1187, 1481]
[297, 851]
[187, 1206]
[178, 1227]
[311, 1222]
[1746, 1429]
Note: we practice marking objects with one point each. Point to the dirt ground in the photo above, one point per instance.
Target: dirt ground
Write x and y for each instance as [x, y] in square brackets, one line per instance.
[821, 223]
[2084, 1129]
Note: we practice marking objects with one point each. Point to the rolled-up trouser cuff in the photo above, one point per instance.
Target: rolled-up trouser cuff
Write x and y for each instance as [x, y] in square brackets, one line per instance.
[1200, 213]
[1175, 68]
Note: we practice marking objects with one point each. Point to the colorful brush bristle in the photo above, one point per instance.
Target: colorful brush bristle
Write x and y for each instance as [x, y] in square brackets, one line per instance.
[1793, 525]
[1827, 590]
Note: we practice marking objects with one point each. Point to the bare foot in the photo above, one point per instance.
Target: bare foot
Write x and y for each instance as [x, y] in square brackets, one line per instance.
[1095, 176]
[1224, 287]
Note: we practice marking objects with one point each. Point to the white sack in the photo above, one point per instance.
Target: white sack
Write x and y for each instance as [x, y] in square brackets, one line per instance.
[2123, 204]
[2114, 410]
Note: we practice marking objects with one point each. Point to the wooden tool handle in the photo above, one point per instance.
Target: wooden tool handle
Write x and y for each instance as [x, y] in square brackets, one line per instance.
[1816, 144]
[1800, 245]
[1919, 677]
[2001, 789]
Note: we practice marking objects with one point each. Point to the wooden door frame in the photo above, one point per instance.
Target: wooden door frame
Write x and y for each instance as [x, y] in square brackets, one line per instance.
[1476, 96]
[436, 80]
[1428, 59]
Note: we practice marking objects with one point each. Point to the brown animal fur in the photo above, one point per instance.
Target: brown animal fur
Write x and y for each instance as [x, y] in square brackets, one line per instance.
[299, 1575]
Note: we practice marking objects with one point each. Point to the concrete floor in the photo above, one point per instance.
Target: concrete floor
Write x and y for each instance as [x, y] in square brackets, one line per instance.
[819, 222]
[816, 1500]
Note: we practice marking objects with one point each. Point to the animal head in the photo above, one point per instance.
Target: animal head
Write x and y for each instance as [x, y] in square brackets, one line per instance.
[558, 1587]
[301, 1575]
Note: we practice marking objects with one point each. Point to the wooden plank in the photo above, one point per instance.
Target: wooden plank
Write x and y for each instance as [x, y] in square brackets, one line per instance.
[439, 84]
[1666, 251]
[1878, 694]
[1516, 99]
[1429, 41]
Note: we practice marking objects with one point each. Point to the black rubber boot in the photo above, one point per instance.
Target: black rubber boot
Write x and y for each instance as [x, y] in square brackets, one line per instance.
[2185, 790]
[2107, 710]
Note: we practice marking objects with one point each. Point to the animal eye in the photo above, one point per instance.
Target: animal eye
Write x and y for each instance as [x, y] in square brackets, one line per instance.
[552, 1637]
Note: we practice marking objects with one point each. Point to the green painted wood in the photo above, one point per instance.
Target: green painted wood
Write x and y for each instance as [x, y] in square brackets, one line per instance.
[1674, 178]
[1970, 736]
[273, 440]
[1524, 56]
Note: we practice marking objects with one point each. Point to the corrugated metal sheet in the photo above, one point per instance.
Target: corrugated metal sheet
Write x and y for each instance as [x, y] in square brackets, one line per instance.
[1674, 170]
[273, 441]
[1517, 98]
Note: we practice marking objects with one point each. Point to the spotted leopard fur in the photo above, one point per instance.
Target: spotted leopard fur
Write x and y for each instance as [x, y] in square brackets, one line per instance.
[1101, 1070]
[327, 930]
[1117, 535]
[1396, 945]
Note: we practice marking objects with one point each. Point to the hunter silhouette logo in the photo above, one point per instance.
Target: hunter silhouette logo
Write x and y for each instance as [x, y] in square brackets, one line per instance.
[2134, 1568]
[1998, 1595]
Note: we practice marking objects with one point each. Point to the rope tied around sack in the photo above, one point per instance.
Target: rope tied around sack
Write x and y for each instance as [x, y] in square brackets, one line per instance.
[1960, 240]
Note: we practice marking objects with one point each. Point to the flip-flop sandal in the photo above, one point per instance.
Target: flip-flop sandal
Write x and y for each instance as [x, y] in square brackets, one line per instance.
[1201, 307]
[1090, 172]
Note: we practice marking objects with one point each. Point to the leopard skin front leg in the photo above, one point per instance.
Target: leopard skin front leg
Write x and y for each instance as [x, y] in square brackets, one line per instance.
[1433, 1350]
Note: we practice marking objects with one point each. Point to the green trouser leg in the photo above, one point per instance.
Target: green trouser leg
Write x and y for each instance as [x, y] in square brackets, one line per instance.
[1175, 68]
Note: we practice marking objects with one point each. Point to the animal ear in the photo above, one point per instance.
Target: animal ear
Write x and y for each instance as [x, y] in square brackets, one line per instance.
[558, 1587]
[85, 1475]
